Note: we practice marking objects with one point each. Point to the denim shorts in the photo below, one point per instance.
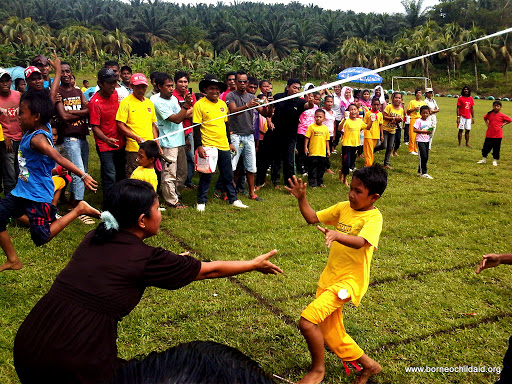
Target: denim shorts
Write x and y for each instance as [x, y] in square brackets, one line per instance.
[244, 145]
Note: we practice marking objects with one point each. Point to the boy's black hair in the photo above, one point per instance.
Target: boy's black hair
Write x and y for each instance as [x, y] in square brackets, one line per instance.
[375, 98]
[39, 102]
[160, 78]
[153, 74]
[328, 97]
[263, 82]
[252, 80]
[396, 93]
[496, 102]
[151, 149]
[85, 81]
[66, 63]
[386, 96]
[466, 87]
[316, 94]
[230, 73]
[423, 107]
[178, 75]
[111, 63]
[374, 178]
[125, 68]
[17, 81]
[418, 90]
[293, 81]
[320, 110]
[198, 362]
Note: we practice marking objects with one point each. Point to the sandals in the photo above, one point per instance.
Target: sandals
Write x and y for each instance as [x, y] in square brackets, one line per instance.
[86, 219]
[178, 205]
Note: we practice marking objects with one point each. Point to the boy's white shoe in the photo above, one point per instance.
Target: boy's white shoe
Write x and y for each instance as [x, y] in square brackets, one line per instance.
[201, 207]
[495, 163]
[413, 153]
[483, 161]
[239, 204]
[427, 176]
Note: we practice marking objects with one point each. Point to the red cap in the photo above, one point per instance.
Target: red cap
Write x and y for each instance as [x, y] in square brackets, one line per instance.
[138, 78]
[30, 70]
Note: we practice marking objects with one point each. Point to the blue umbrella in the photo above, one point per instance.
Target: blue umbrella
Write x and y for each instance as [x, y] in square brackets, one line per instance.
[353, 71]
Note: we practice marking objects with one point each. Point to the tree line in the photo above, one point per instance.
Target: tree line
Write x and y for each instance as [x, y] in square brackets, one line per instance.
[271, 41]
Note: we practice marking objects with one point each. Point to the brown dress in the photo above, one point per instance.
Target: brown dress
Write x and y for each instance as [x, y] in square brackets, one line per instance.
[70, 335]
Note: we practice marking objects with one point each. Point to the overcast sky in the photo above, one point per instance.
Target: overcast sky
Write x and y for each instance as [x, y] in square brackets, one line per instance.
[367, 6]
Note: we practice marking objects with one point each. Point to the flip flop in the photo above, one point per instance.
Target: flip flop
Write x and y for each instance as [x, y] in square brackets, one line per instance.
[86, 219]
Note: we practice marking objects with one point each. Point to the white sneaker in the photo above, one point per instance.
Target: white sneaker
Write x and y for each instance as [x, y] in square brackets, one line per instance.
[406, 143]
[495, 163]
[239, 204]
[413, 153]
[427, 176]
[483, 161]
[201, 207]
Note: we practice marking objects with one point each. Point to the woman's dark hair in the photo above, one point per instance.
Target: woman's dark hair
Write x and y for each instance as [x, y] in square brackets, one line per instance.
[151, 148]
[198, 362]
[374, 178]
[126, 200]
[39, 102]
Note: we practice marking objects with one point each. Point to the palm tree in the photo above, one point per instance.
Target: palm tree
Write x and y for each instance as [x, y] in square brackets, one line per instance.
[117, 42]
[304, 35]
[332, 31]
[413, 13]
[77, 38]
[477, 51]
[26, 32]
[238, 38]
[354, 52]
[275, 39]
[503, 49]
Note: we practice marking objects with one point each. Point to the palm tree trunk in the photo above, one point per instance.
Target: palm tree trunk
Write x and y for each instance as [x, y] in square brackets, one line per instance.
[476, 72]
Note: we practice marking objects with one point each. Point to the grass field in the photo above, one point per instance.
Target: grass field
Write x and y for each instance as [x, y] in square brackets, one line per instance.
[423, 287]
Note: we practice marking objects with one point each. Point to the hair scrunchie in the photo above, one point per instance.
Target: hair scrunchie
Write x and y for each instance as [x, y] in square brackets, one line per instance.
[109, 220]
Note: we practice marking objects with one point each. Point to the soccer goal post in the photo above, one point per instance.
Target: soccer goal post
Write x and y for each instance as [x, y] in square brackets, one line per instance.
[395, 80]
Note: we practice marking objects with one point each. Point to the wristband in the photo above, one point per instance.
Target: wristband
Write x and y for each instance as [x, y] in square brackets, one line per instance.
[84, 176]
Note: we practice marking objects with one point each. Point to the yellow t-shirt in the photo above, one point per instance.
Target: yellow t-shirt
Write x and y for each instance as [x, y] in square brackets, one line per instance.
[139, 116]
[213, 133]
[415, 104]
[145, 174]
[346, 265]
[352, 130]
[318, 135]
[391, 111]
[374, 131]
[1, 133]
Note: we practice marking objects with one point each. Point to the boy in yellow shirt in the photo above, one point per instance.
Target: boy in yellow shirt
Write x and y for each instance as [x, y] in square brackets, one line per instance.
[374, 134]
[317, 148]
[358, 224]
[146, 156]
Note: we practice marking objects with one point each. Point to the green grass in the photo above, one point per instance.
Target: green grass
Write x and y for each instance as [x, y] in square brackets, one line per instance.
[422, 283]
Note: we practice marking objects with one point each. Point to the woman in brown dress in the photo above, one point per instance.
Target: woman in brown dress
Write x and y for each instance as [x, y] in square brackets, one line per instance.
[70, 335]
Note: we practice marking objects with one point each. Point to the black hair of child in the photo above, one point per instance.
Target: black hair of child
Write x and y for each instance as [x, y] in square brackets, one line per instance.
[374, 178]
[198, 362]
[319, 110]
[328, 97]
[496, 102]
[151, 149]
[160, 78]
[39, 102]
[375, 98]
[418, 90]
[126, 200]
[423, 107]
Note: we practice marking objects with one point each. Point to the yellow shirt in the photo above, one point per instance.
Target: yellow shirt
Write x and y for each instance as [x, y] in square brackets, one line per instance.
[213, 133]
[374, 131]
[352, 130]
[145, 174]
[139, 116]
[415, 104]
[391, 111]
[318, 135]
[348, 265]
[1, 133]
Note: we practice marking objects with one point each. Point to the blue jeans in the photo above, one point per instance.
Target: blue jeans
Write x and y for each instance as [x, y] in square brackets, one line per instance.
[10, 167]
[78, 152]
[112, 166]
[190, 159]
[225, 177]
[246, 149]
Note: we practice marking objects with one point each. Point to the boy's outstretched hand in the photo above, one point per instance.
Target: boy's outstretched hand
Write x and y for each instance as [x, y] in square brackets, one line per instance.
[330, 235]
[297, 187]
[90, 183]
[488, 261]
[261, 263]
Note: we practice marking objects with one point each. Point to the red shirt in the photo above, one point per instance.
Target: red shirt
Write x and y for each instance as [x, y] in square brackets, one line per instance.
[496, 121]
[464, 104]
[9, 118]
[102, 113]
[187, 122]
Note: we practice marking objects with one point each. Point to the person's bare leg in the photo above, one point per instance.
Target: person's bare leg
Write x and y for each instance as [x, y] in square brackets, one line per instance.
[315, 340]
[460, 137]
[370, 368]
[250, 183]
[345, 181]
[82, 208]
[56, 197]
[466, 136]
[13, 262]
[24, 220]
